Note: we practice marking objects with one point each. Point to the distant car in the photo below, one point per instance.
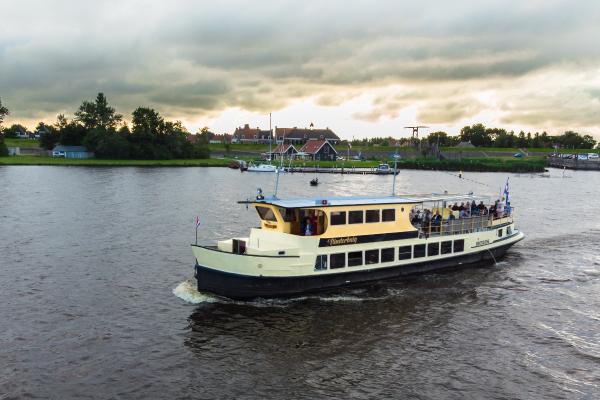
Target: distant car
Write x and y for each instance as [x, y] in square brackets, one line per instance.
[582, 156]
[519, 155]
[341, 159]
[593, 156]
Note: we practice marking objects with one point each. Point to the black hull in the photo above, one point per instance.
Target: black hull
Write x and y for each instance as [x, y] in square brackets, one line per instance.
[243, 287]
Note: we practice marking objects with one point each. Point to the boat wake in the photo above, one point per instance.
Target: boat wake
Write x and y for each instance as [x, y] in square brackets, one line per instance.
[187, 292]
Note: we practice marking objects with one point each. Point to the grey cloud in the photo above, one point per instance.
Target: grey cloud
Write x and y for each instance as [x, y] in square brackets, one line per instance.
[191, 57]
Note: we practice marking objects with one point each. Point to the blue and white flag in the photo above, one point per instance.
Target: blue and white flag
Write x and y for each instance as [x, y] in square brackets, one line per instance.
[506, 191]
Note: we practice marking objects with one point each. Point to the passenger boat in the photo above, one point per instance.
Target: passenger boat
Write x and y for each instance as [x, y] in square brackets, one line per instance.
[307, 245]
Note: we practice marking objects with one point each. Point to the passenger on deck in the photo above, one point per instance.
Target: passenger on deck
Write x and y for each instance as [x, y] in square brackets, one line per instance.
[474, 210]
[493, 209]
[500, 209]
[482, 208]
[455, 207]
[313, 224]
[436, 221]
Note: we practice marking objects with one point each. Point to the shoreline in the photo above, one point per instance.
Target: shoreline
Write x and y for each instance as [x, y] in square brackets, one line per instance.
[532, 165]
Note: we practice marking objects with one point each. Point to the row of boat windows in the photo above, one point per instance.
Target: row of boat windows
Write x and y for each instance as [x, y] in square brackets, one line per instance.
[375, 256]
[362, 216]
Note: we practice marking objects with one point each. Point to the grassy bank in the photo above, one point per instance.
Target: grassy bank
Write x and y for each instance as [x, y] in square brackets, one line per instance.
[94, 162]
[23, 143]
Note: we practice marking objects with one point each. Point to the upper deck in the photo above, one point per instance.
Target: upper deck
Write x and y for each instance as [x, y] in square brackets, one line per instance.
[335, 217]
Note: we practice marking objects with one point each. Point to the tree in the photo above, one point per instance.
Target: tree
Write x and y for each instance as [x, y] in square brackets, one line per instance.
[49, 136]
[439, 138]
[476, 134]
[61, 121]
[98, 114]
[3, 113]
[14, 130]
[3, 148]
[72, 134]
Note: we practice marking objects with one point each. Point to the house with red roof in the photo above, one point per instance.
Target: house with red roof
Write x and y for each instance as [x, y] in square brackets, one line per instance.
[251, 135]
[318, 150]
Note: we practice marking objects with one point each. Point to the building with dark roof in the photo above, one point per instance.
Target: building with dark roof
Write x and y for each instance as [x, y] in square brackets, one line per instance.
[285, 149]
[302, 135]
[318, 150]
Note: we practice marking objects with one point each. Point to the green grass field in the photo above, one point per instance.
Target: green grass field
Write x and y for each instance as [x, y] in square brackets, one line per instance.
[11, 142]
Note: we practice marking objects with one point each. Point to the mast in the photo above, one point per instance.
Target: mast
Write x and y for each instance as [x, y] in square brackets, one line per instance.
[270, 140]
[277, 170]
[395, 168]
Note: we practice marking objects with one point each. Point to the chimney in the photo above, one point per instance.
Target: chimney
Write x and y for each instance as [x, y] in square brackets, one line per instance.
[247, 126]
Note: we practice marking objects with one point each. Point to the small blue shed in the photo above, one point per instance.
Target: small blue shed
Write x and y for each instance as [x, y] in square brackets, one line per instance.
[71, 152]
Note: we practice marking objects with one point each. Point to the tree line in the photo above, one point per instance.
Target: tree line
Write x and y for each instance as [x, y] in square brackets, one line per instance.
[99, 128]
[480, 136]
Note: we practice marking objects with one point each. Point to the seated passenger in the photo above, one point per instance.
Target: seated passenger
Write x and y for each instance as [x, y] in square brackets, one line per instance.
[455, 207]
[307, 227]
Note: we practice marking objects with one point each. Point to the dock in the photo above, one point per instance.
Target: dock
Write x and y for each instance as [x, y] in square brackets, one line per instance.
[342, 170]
[573, 163]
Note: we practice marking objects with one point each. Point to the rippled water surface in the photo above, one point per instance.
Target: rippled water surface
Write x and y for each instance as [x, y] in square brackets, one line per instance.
[97, 298]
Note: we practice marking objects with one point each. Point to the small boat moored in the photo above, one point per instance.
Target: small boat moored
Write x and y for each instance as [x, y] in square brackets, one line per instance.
[261, 168]
[314, 182]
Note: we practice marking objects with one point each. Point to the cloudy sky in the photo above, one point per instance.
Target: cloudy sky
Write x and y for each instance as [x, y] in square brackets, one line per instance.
[362, 68]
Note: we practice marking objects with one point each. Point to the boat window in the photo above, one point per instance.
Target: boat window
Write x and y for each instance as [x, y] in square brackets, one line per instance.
[355, 217]
[404, 253]
[372, 216]
[372, 256]
[419, 250]
[447, 247]
[266, 213]
[321, 263]
[509, 230]
[389, 214]
[387, 255]
[500, 232]
[459, 245]
[433, 249]
[355, 258]
[337, 260]
[287, 214]
[338, 217]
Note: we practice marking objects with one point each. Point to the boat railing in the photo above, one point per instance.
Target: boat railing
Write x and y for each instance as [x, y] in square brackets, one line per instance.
[464, 225]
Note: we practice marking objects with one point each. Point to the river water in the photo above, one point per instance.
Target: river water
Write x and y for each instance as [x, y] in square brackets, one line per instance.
[97, 299]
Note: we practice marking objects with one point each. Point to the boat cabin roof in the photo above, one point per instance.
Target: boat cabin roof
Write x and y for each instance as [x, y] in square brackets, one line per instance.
[368, 200]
